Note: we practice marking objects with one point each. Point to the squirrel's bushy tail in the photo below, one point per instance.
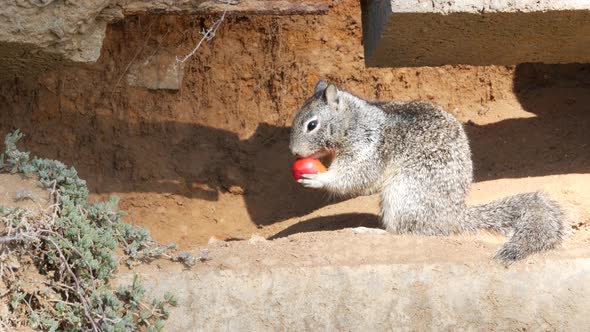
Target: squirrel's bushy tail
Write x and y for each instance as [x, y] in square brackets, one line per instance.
[534, 221]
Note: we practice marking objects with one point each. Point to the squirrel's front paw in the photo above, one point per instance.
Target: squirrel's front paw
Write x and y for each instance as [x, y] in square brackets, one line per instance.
[312, 181]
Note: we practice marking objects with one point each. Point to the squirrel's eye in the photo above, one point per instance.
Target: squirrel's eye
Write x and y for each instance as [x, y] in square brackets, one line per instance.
[311, 125]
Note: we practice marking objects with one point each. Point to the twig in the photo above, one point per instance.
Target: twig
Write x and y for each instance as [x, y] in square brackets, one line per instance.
[7, 239]
[79, 290]
[75, 250]
[20, 236]
[207, 35]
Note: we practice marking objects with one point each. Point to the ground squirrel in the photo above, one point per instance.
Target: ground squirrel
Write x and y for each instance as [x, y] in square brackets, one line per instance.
[417, 157]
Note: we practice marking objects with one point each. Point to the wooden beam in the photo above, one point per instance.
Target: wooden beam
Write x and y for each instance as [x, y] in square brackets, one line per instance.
[235, 7]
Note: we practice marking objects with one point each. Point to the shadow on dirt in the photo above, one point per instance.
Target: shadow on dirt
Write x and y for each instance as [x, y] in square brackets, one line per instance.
[118, 153]
[555, 140]
[331, 223]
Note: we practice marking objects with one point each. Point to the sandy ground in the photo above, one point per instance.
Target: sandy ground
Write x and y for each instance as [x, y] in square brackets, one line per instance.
[326, 235]
[572, 191]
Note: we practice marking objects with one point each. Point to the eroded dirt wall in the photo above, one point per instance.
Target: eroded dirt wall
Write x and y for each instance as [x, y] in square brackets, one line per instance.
[213, 156]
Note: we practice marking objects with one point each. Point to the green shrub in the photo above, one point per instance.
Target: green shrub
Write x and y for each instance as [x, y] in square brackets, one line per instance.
[73, 247]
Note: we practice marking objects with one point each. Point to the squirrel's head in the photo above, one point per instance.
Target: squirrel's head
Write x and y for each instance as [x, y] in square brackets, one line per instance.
[313, 132]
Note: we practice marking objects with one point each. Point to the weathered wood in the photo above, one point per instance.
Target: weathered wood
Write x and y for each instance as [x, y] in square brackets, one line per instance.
[242, 7]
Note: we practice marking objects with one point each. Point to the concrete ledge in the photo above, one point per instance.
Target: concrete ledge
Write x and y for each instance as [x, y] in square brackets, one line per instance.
[406, 33]
[550, 292]
[208, 7]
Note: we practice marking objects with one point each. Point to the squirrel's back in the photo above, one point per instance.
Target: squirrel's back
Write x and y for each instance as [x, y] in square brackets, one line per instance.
[422, 132]
[430, 170]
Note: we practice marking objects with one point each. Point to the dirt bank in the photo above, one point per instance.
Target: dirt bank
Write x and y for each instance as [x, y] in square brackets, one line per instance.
[212, 158]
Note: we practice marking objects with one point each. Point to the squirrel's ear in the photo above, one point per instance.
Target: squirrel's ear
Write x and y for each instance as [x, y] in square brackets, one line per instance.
[321, 85]
[331, 95]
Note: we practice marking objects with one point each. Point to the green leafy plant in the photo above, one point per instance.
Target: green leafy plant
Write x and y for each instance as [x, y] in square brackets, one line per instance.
[72, 247]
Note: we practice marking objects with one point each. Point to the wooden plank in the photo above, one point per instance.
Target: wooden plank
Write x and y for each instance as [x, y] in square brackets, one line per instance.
[236, 7]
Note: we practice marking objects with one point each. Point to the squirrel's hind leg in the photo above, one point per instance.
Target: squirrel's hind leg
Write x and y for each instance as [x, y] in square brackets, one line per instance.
[409, 206]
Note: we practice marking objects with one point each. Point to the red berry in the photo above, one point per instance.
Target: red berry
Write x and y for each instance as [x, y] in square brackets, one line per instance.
[307, 166]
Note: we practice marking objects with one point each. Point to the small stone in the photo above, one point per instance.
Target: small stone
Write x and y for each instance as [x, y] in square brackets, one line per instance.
[236, 190]
[216, 238]
[111, 14]
[256, 239]
[160, 71]
[204, 256]
[12, 262]
[57, 31]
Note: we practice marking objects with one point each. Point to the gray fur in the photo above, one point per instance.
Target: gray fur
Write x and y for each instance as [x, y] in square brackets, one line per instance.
[320, 86]
[417, 157]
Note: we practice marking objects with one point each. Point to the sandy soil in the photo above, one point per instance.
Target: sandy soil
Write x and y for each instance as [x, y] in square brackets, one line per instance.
[347, 248]
[213, 157]
[326, 235]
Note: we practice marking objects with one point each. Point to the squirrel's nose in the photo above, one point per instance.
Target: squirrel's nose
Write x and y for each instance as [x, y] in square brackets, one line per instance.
[292, 149]
[295, 152]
